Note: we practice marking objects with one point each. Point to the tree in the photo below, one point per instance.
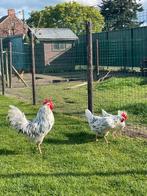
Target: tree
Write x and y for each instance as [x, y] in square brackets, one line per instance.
[67, 15]
[120, 14]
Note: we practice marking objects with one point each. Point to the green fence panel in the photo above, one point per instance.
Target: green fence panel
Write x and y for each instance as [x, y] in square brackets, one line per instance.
[122, 48]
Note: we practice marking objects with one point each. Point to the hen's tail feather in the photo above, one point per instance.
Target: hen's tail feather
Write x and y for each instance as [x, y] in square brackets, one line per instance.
[17, 119]
[89, 115]
[104, 113]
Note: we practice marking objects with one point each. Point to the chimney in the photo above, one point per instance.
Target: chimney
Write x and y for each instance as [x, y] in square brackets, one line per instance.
[11, 12]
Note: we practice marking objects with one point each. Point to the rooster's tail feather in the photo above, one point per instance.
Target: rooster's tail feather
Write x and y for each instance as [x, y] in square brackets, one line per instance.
[17, 119]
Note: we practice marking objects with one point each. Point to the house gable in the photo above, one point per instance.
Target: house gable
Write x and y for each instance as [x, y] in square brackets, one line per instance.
[11, 25]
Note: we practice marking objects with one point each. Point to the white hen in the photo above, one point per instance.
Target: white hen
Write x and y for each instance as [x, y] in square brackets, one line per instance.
[100, 125]
[121, 118]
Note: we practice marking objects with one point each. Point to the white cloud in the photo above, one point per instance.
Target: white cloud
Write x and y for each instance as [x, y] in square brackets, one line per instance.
[29, 5]
[85, 2]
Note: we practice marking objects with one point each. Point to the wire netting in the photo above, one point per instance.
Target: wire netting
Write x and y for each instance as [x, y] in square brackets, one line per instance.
[61, 73]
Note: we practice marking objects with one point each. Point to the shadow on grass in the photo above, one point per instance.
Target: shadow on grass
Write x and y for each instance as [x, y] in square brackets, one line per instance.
[7, 152]
[74, 113]
[77, 174]
[73, 138]
[5, 124]
[144, 81]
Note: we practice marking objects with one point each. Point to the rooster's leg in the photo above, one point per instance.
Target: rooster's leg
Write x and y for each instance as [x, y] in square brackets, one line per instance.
[39, 148]
[105, 137]
[96, 137]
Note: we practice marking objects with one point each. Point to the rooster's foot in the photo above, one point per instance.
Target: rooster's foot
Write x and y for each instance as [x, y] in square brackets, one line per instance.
[39, 148]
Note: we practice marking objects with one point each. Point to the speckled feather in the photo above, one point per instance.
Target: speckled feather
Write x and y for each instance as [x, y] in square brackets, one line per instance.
[120, 125]
[99, 124]
[36, 129]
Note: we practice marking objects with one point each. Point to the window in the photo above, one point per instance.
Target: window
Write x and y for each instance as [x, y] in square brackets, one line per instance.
[58, 46]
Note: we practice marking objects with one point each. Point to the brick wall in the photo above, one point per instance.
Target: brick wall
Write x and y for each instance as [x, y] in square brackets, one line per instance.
[49, 53]
[11, 25]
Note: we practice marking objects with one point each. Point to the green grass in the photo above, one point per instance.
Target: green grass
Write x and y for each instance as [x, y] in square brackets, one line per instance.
[117, 93]
[72, 162]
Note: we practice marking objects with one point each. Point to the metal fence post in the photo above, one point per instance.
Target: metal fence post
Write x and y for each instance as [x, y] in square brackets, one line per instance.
[97, 58]
[89, 65]
[10, 64]
[132, 48]
[2, 67]
[33, 71]
[7, 70]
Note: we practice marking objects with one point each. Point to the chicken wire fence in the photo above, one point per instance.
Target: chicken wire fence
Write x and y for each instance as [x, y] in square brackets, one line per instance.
[119, 69]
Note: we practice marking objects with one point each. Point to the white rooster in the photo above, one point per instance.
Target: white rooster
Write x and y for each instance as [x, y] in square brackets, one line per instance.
[100, 125]
[36, 129]
[121, 118]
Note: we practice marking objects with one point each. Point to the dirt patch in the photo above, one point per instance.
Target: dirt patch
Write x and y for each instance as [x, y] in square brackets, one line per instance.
[135, 132]
[41, 79]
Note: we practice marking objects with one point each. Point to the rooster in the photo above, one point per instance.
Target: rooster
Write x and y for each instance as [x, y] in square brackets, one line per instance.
[101, 125]
[121, 118]
[36, 129]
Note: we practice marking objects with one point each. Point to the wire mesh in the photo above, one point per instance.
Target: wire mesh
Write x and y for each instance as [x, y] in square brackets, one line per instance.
[61, 73]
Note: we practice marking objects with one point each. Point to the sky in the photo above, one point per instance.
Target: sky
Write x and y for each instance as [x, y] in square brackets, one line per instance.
[29, 5]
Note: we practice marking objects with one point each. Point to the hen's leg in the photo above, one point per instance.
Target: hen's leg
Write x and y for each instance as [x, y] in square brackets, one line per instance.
[121, 131]
[114, 134]
[105, 137]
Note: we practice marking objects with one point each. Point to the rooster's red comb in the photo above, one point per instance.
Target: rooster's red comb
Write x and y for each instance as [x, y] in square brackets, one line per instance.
[47, 101]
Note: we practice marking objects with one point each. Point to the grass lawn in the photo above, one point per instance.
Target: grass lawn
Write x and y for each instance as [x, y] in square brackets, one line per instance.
[117, 93]
[72, 162]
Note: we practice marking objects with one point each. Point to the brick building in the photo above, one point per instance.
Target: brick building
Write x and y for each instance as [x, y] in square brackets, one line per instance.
[52, 45]
[11, 25]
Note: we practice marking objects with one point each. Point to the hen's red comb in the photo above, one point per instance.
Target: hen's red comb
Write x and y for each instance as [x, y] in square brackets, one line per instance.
[124, 115]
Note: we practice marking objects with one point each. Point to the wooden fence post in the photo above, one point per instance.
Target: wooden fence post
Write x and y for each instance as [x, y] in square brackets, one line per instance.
[89, 65]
